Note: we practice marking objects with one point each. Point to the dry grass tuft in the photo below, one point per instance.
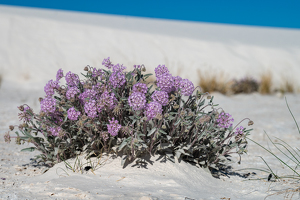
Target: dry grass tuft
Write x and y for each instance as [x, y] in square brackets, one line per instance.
[266, 83]
[287, 86]
[214, 83]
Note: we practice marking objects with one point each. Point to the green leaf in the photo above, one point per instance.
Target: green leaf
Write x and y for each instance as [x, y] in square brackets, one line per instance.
[151, 132]
[124, 143]
[30, 149]
[178, 121]
[163, 132]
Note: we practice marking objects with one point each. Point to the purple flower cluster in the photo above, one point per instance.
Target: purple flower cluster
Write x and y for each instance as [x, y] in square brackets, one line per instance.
[187, 87]
[113, 127]
[97, 73]
[107, 100]
[224, 120]
[118, 68]
[137, 100]
[72, 91]
[48, 105]
[73, 114]
[50, 86]
[152, 109]
[54, 131]
[59, 75]
[161, 97]
[160, 70]
[177, 80]
[165, 82]
[239, 130]
[72, 79]
[117, 79]
[107, 63]
[140, 87]
[90, 108]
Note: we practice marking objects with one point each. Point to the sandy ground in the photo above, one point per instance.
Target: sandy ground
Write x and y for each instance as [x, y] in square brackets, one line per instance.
[160, 179]
[34, 44]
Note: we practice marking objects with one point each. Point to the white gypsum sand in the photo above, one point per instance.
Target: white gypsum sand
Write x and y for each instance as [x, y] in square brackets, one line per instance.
[35, 43]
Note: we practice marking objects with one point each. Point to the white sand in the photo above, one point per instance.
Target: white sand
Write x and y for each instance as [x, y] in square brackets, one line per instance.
[35, 43]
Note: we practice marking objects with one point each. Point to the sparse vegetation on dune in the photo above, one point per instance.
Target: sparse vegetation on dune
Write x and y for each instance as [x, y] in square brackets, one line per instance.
[217, 83]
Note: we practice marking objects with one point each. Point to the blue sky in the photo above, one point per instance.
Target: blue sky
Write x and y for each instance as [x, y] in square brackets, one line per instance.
[271, 13]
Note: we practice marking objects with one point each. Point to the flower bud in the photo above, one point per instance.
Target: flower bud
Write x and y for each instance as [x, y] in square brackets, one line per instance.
[143, 68]
[11, 127]
[21, 108]
[20, 126]
[158, 116]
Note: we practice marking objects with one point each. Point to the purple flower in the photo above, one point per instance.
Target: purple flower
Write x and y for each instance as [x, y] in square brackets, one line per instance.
[140, 87]
[152, 109]
[90, 108]
[137, 100]
[54, 131]
[71, 79]
[118, 68]
[72, 91]
[165, 82]
[107, 100]
[97, 73]
[48, 105]
[177, 80]
[113, 127]
[117, 79]
[107, 63]
[187, 87]
[137, 66]
[161, 97]
[50, 86]
[88, 93]
[59, 75]
[73, 114]
[239, 130]
[160, 70]
[25, 116]
[224, 120]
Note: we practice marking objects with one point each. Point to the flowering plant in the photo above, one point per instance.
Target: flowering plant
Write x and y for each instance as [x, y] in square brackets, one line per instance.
[120, 112]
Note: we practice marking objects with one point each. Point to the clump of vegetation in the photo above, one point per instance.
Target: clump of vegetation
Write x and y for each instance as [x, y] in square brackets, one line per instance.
[245, 85]
[111, 110]
[213, 83]
[265, 83]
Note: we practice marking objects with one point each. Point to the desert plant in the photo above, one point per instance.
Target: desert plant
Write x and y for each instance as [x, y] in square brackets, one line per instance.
[287, 86]
[265, 83]
[213, 83]
[118, 111]
[245, 85]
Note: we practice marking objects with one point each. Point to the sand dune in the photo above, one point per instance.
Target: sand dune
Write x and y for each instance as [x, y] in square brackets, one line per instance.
[36, 43]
